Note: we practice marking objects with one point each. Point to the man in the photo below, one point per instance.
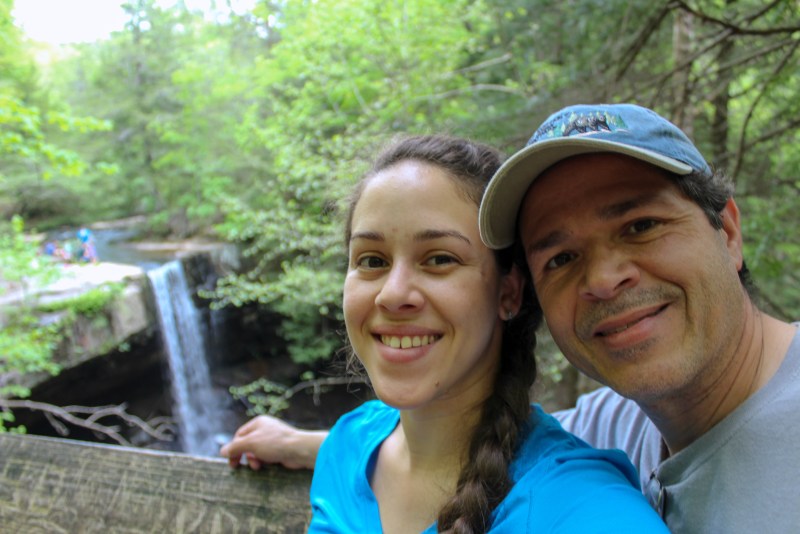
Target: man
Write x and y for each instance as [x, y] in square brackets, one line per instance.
[635, 251]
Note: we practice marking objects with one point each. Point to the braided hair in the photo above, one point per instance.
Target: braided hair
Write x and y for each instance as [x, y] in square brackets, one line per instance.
[504, 421]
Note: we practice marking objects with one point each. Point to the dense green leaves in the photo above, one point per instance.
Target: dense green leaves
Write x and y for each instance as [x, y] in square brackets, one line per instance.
[254, 126]
[342, 78]
[26, 345]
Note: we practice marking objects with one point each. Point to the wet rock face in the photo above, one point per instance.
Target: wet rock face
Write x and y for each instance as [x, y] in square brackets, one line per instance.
[131, 314]
[127, 316]
[118, 357]
[132, 374]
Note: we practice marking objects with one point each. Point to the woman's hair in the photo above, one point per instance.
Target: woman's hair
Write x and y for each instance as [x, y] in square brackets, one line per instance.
[484, 480]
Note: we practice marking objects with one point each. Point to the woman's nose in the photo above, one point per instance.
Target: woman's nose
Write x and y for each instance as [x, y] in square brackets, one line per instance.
[400, 291]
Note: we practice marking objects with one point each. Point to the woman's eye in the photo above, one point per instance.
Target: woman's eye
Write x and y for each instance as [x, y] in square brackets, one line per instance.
[371, 262]
[642, 226]
[440, 259]
[559, 260]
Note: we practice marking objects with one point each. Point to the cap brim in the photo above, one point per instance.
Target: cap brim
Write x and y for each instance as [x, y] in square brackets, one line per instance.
[504, 194]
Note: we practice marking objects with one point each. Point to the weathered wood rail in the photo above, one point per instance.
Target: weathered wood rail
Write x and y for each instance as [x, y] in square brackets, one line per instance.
[50, 485]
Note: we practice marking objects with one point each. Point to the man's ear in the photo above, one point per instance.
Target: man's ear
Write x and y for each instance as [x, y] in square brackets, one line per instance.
[511, 287]
[732, 228]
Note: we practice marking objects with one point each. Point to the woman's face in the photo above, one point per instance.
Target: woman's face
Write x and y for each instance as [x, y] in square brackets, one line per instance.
[423, 297]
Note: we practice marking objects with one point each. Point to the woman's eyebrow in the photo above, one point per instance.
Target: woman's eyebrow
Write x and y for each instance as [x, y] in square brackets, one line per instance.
[427, 235]
[369, 236]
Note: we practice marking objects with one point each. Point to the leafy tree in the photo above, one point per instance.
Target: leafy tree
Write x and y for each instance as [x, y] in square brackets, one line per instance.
[341, 77]
[261, 122]
[32, 161]
[28, 160]
[737, 63]
[201, 144]
[175, 87]
[724, 70]
[26, 346]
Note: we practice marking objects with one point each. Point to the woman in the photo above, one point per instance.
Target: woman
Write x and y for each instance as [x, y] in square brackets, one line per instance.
[445, 330]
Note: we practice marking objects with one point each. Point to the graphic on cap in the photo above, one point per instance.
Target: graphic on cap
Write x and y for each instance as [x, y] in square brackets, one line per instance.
[578, 124]
[625, 129]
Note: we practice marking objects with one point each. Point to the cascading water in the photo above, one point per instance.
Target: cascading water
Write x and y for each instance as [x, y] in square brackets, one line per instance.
[195, 402]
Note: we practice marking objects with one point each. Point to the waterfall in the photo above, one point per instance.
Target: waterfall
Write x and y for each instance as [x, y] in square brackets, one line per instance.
[195, 405]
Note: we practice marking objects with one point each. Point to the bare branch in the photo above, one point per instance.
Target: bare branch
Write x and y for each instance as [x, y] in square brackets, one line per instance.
[641, 40]
[318, 383]
[766, 8]
[159, 428]
[771, 134]
[488, 63]
[59, 427]
[477, 87]
[276, 396]
[726, 31]
[753, 55]
[737, 29]
[687, 62]
[749, 115]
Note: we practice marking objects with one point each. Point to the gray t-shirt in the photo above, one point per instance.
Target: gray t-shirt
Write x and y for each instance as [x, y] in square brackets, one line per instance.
[742, 476]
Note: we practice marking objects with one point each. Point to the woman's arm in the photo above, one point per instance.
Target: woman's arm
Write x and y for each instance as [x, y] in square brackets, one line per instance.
[268, 440]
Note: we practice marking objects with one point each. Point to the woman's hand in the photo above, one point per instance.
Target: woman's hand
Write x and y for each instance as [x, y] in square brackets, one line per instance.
[268, 440]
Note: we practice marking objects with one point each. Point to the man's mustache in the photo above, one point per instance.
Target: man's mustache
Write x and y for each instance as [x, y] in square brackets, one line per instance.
[627, 301]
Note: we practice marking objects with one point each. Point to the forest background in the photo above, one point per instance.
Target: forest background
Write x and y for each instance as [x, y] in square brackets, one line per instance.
[251, 127]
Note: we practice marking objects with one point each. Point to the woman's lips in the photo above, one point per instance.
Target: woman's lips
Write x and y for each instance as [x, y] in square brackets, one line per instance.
[408, 341]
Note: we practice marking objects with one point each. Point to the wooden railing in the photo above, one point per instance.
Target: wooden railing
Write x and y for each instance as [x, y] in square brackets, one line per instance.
[55, 485]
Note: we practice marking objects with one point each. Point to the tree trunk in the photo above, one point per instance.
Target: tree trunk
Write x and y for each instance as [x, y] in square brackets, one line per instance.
[721, 101]
[682, 39]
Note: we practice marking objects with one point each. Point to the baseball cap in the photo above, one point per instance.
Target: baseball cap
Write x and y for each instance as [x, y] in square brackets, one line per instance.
[581, 129]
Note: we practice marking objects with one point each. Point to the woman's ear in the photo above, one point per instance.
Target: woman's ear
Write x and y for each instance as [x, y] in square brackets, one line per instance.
[511, 286]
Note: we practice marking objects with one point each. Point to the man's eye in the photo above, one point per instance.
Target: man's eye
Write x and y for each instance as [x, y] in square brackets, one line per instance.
[642, 226]
[440, 259]
[559, 260]
[371, 262]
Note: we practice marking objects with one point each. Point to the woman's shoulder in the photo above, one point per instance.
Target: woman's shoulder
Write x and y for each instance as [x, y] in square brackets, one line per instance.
[372, 416]
[561, 480]
[341, 498]
[357, 434]
[548, 445]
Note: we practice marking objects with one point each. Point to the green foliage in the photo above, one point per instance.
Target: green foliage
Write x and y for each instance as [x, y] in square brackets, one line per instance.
[17, 69]
[21, 265]
[27, 340]
[315, 119]
[263, 396]
[89, 303]
[30, 130]
[772, 249]
[258, 124]
[26, 345]
[29, 158]
[22, 140]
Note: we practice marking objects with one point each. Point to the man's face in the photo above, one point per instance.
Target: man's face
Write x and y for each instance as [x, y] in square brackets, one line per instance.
[638, 289]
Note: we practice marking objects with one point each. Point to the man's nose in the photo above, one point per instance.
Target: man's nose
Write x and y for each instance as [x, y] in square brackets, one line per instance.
[607, 273]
